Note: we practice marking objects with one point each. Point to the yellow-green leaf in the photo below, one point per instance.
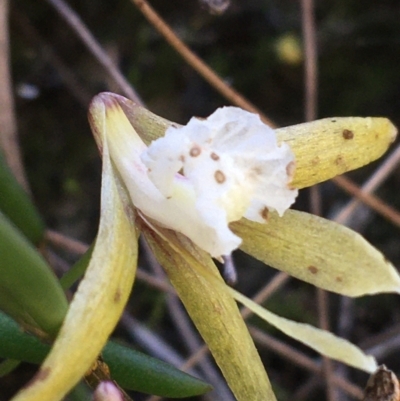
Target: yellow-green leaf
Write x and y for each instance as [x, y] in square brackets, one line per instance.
[214, 312]
[99, 300]
[321, 341]
[331, 146]
[320, 252]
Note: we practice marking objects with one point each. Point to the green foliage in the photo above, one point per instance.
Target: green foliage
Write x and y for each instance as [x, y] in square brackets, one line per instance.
[133, 370]
[29, 290]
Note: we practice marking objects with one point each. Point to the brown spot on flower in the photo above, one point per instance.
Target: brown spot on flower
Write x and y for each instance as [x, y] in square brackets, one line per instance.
[195, 151]
[255, 171]
[182, 158]
[219, 177]
[339, 279]
[348, 134]
[290, 169]
[339, 160]
[264, 213]
[315, 161]
[312, 269]
[214, 156]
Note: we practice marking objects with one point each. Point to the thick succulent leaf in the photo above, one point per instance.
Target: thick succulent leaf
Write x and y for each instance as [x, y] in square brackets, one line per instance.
[131, 369]
[99, 300]
[134, 370]
[321, 341]
[16, 205]
[320, 252]
[214, 312]
[331, 146]
[29, 290]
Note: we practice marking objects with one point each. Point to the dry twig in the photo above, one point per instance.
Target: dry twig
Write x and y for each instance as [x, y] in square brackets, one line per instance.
[8, 122]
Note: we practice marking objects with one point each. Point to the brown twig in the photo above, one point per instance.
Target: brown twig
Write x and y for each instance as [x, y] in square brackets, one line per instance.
[8, 122]
[69, 78]
[302, 360]
[80, 29]
[376, 179]
[311, 104]
[310, 60]
[195, 62]
[67, 243]
[274, 285]
[372, 201]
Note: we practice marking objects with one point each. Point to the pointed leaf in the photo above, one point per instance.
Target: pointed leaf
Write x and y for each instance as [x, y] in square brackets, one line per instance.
[134, 370]
[16, 205]
[321, 341]
[214, 313]
[29, 290]
[331, 146]
[99, 300]
[131, 369]
[320, 252]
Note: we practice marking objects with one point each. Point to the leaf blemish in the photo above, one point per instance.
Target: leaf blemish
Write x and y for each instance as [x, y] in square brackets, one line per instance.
[347, 134]
[339, 160]
[117, 296]
[315, 161]
[312, 269]
[41, 375]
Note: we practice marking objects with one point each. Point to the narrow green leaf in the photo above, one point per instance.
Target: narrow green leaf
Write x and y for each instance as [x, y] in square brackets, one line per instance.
[77, 270]
[7, 366]
[29, 290]
[16, 205]
[136, 371]
[320, 252]
[131, 369]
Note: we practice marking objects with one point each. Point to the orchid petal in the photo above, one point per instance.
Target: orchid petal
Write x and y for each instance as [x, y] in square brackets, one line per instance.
[319, 340]
[210, 193]
[318, 251]
[100, 298]
[332, 146]
[214, 312]
[323, 148]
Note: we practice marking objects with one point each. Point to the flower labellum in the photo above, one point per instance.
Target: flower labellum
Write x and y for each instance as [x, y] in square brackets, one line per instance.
[225, 167]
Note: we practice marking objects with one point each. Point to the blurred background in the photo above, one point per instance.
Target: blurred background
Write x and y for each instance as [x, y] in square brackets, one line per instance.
[257, 47]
